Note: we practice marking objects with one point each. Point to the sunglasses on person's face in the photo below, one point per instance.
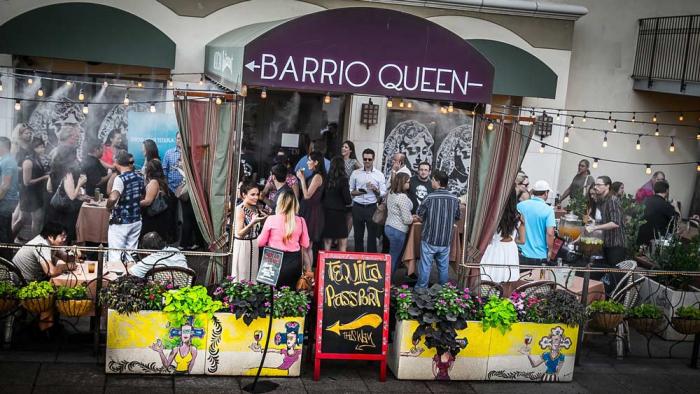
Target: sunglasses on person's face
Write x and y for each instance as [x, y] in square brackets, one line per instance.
[368, 158]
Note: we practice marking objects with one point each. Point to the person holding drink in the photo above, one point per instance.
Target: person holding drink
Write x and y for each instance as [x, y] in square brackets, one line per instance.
[367, 186]
[246, 230]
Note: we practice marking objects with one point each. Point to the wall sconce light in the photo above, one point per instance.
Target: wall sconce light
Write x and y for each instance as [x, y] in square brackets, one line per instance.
[369, 115]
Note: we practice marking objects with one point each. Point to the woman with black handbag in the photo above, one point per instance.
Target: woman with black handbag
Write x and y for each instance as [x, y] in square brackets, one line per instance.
[158, 204]
[64, 187]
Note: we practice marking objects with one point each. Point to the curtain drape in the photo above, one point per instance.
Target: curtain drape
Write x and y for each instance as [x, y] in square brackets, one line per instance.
[208, 134]
[496, 158]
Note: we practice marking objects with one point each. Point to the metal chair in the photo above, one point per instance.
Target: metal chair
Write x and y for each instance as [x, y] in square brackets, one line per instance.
[487, 289]
[538, 289]
[176, 276]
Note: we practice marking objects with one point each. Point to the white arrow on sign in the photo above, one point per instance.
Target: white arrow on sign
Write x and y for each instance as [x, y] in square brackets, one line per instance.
[252, 66]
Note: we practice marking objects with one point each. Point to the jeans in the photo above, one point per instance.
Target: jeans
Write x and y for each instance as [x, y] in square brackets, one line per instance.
[361, 217]
[427, 253]
[396, 241]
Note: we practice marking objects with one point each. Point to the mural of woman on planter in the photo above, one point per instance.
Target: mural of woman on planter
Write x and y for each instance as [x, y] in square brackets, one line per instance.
[293, 341]
[443, 362]
[553, 359]
[185, 353]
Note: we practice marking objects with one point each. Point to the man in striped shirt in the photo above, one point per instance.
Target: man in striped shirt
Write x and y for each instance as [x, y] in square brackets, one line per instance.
[438, 212]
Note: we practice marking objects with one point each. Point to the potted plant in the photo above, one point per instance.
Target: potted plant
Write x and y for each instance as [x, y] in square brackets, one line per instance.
[499, 313]
[645, 318]
[606, 315]
[37, 297]
[247, 300]
[558, 307]
[687, 320]
[73, 301]
[8, 296]
[186, 302]
[131, 294]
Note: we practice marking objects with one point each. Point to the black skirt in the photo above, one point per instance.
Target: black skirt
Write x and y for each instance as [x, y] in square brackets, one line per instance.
[335, 226]
[290, 272]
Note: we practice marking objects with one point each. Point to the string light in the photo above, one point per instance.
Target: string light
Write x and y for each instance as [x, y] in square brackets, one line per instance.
[327, 98]
[634, 117]
[697, 136]
[401, 104]
[672, 147]
[615, 126]
[681, 117]
[654, 118]
[566, 137]
[105, 84]
[656, 132]
[605, 140]
[69, 83]
[30, 81]
[81, 95]
[450, 108]
[558, 116]
[443, 110]
[85, 109]
[40, 92]
[201, 80]
[218, 100]
[639, 143]
[648, 170]
[263, 94]
[489, 127]
[170, 82]
[698, 167]
[389, 103]
[139, 84]
[18, 106]
[572, 121]
[153, 107]
[595, 163]
[409, 105]
[542, 147]
[126, 98]
[584, 117]
[609, 117]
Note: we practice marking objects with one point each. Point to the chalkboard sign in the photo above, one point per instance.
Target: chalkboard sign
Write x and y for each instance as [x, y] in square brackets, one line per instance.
[270, 265]
[352, 305]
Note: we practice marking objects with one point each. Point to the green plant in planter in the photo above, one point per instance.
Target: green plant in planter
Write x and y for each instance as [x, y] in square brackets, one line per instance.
[633, 212]
[246, 300]
[688, 312]
[153, 295]
[645, 311]
[678, 256]
[578, 204]
[290, 303]
[128, 295]
[189, 301]
[560, 307]
[36, 290]
[71, 293]
[8, 290]
[499, 313]
[606, 306]
[401, 301]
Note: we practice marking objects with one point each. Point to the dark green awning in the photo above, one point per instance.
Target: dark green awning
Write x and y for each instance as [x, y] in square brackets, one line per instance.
[87, 32]
[518, 73]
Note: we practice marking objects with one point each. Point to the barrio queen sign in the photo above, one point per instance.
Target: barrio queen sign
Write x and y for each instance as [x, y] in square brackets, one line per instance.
[366, 51]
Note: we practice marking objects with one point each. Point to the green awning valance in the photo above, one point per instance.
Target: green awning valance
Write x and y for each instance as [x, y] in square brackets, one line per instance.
[518, 73]
[87, 32]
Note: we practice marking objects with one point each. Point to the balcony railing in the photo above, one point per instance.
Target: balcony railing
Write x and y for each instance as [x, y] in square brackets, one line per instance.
[668, 49]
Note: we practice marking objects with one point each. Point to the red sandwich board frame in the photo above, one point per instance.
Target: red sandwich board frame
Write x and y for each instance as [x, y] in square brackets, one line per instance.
[320, 277]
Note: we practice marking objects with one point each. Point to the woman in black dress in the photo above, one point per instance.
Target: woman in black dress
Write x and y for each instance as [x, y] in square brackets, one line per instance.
[335, 201]
[312, 192]
[158, 216]
[33, 187]
[65, 179]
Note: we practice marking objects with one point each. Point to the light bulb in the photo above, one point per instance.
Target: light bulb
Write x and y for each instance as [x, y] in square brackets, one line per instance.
[605, 141]
[584, 118]
[698, 167]
[30, 80]
[126, 99]
[697, 136]
[639, 143]
[558, 116]
[81, 95]
[572, 121]
[634, 117]
[401, 104]
[18, 106]
[85, 109]
[153, 107]
[105, 84]
[410, 105]
[40, 92]
[609, 117]
[170, 82]
[595, 163]
[139, 84]
[656, 132]
[542, 147]
[443, 110]
[389, 103]
[218, 100]
[201, 80]
[672, 147]
[681, 117]
[327, 98]
[566, 138]
[615, 126]
[653, 118]
[648, 170]
[69, 83]
[0, 82]
[489, 127]
[450, 107]
[263, 94]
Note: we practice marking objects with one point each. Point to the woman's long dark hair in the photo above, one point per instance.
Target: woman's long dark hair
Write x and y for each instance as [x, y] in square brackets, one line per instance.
[154, 170]
[336, 173]
[151, 150]
[321, 167]
[63, 162]
[510, 217]
[591, 203]
[351, 145]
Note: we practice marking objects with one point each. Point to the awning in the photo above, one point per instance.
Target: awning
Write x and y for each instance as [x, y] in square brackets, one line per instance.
[518, 73]
[87, 32]
[353, 50]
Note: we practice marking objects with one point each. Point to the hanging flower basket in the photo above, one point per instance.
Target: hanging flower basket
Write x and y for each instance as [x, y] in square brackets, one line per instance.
[606, 321]
[74, 308]
[645, 325]
[7, 304]
[38, 305]
[686, 326]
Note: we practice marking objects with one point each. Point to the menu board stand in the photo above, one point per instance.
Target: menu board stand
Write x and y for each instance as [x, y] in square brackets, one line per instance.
[352, 307]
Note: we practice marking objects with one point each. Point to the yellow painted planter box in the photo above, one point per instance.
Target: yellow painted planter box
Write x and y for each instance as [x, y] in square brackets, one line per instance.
[147, 343]
[234, 348]
[522, 354]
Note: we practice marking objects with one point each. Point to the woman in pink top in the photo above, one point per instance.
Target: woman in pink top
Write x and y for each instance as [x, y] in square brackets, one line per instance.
[287, 232]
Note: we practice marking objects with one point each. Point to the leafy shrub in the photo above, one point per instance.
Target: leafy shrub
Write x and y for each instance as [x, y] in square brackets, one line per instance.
[526, 307]
[606, 306]
[499, 313]
[71, 293]
[189, 301]
[128, 295]
[645, 311]
[8, 290]
[688, 312]
[246, 300]
[36, 290]
[560, 307]
[153, 296]
[678, 256]
[290, 303]
[401, 301]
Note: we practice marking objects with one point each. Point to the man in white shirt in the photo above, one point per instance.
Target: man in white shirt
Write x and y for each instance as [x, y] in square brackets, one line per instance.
[35, 259]
[367, 186]
[398, 165]
[169, 257]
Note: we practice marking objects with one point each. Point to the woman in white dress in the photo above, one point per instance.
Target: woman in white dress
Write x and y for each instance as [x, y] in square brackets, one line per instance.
[503, 249]
[247, 227]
